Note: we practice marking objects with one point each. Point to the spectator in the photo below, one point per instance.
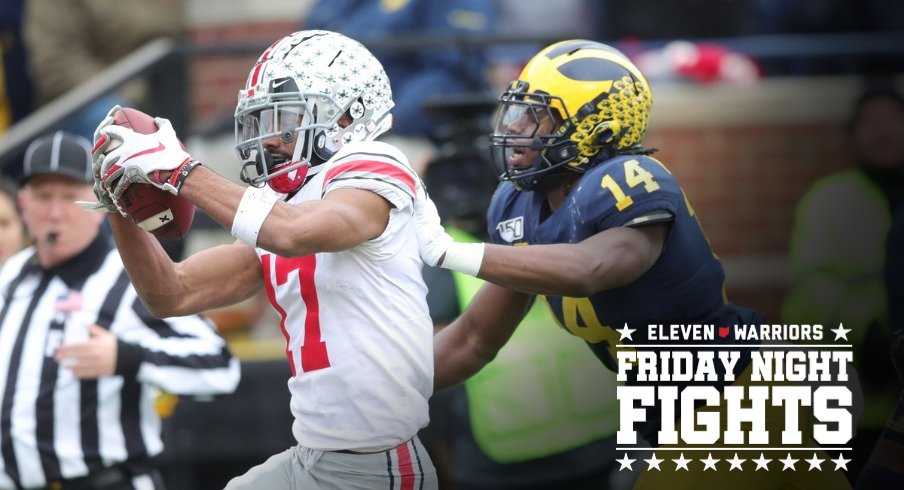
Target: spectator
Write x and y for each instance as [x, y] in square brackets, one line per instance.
[421, 74]
[838, 253]
[15, 83]
[81, 356]
[70, 42]
[12, 229]
[542, 21]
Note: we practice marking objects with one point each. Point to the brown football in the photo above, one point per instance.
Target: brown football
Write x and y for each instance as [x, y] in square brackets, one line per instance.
[154, 210]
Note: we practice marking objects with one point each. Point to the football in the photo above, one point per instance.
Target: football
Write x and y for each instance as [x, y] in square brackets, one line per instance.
[154, 210]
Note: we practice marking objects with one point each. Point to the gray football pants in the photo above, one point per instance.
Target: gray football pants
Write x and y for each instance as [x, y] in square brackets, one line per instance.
[406, 467]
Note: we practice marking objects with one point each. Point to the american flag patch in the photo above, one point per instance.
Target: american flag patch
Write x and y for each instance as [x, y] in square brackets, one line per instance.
[69, 303]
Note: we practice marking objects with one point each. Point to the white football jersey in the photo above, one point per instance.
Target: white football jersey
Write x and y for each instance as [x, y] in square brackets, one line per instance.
[358, 332]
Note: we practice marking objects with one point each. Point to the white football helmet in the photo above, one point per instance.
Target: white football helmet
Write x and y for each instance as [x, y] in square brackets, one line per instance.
[299, 88]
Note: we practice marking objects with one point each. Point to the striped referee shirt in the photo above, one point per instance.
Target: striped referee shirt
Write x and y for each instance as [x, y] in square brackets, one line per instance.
[54, 426]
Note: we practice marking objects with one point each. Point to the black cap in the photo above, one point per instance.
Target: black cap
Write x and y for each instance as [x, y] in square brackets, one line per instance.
[60, 153]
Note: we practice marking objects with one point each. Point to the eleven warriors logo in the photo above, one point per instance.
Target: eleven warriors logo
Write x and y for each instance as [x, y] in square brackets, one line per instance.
[740, 417]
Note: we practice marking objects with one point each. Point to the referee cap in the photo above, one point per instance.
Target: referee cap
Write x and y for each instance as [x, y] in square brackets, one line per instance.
[60, 153]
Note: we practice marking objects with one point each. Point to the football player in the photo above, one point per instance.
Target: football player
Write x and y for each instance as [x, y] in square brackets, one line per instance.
[613, 240]
[327, 229]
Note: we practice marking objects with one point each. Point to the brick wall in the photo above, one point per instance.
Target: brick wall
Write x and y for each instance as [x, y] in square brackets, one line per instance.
[745, 181]
[216, 80]
[745, 156]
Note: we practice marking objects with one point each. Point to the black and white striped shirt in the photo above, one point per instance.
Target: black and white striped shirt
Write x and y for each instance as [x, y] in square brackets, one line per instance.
[54, 426]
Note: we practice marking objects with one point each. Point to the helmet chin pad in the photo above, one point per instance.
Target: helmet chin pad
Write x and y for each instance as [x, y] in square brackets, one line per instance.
[289, 181]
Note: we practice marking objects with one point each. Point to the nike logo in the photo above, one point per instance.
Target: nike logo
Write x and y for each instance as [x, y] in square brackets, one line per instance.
[160, 147]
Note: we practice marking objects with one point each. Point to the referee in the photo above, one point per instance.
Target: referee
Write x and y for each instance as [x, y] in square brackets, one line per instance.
[81, 358]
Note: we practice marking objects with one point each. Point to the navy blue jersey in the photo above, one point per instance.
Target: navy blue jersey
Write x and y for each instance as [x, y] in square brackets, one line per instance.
[684, 286]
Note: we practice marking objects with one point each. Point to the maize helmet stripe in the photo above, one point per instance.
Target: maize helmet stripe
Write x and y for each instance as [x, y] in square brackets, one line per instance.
[576, 74]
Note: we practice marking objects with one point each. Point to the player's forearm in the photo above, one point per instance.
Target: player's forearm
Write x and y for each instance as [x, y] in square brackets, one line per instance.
[541, 269]
[213, 194]
[604, 261]
[150, 269]
[457, 356]
[289, 230]
[220, 199]
[466, 345]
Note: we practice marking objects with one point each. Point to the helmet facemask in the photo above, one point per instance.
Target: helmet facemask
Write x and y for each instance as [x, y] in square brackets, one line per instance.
[530, 122]
[288, 116]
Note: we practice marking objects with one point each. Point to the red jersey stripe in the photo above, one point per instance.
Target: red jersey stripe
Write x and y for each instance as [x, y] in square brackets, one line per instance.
[374, 166]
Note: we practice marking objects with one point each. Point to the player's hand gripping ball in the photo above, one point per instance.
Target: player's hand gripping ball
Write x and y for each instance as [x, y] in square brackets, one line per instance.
[149, 206]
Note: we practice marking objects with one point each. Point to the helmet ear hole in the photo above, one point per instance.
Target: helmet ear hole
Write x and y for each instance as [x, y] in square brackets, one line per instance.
[321, 149]
[562, 153]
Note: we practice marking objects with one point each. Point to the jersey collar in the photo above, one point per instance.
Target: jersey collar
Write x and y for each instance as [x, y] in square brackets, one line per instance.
[75, 271]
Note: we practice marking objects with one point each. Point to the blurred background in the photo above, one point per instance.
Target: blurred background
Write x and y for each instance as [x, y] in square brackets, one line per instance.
[754, 102]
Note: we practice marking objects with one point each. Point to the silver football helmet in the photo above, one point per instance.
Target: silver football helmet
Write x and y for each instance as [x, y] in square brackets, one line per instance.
[298, 90]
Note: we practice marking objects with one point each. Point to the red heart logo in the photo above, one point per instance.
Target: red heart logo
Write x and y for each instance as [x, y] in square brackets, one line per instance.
[723, 332]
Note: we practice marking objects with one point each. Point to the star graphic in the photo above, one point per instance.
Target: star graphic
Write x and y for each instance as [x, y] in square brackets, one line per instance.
[626, 332]
[626, 462]
[654, 462]
[681, 462]
[840, 331]
[762, 463]
[789, 463]
[815, 463]
[840, 462]
[709, 463]
[735, 463]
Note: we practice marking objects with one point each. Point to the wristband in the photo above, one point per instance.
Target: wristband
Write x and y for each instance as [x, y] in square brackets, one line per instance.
[464, 257]
[177, 178]
[253, 209]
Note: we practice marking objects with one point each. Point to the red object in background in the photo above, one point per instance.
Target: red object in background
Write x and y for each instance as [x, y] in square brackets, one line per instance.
[703, 63]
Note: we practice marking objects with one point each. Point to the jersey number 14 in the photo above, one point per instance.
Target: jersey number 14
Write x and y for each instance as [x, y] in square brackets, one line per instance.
[634, 175]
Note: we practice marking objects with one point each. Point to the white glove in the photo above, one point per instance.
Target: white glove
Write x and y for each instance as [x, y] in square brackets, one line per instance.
[138, 158]
[104, 200]
[432, 239]
[107, 120]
